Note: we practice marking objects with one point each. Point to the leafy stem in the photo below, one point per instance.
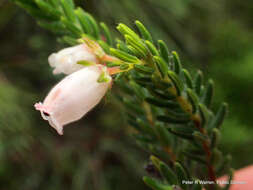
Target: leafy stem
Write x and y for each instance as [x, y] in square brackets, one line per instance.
[170, 110]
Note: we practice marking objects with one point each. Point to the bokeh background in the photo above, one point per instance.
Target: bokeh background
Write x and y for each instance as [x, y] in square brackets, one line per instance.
[98, 153]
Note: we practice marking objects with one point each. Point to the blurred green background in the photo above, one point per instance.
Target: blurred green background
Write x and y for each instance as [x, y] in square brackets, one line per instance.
[98, 152]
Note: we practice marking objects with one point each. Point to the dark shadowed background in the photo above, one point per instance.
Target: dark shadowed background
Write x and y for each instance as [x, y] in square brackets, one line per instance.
[98, 151]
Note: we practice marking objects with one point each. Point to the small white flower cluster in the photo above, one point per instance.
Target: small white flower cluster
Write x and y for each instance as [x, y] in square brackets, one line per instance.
[65, 61]
[78, 92]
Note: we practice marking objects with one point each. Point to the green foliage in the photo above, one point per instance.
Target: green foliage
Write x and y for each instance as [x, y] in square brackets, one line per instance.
[168, 174]
[173, 108]
[13, 135]
[155, 184]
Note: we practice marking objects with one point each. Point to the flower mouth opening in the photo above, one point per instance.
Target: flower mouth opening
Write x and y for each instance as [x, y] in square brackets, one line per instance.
[46, 114]
[49, 117]
[40, 107]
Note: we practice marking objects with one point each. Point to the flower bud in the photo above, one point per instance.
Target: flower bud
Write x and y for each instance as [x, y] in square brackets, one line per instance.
[65, 61]
[74, 96]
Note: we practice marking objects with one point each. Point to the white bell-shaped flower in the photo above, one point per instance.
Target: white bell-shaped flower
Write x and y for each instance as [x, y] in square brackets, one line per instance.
[65, 61]
[74, 96]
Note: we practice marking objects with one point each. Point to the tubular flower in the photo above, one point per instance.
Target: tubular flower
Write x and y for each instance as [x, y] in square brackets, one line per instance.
[74, 96]
[65, 61]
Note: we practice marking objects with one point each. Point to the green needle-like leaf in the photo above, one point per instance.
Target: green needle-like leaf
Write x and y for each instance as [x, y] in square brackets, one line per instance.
[145, 126]
[76, 32]
[171, 119]
[208, 94]
[107, 33]
[204, 114]
[181, 174]
[125, 30]
[47, 8]
[124, 56]
[155, 184]
[215, 137]
[164, 50]
[219, 117]
[193, 99]
[161, 103]
[68, 8]
[195, 157]
[198, 82]
[143, 69]
[164, 135]
[181, 133]
[177, 63]
[161, 65]
[216, 156]
[138, 46]
[144, 32]
[160, 94]
[176, 81]
[168, 174]
[93, 24]
[152, 48]
[188, 78]
[83, 20]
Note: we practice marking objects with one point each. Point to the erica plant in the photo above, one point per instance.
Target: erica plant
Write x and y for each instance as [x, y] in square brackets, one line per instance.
[169, 108]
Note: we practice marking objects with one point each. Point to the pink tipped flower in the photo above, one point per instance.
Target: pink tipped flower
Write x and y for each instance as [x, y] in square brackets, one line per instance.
[74, 96]
[65, 61]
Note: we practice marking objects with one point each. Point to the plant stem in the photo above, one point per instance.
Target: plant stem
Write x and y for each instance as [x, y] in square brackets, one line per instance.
[206, 148]
[197, 121]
